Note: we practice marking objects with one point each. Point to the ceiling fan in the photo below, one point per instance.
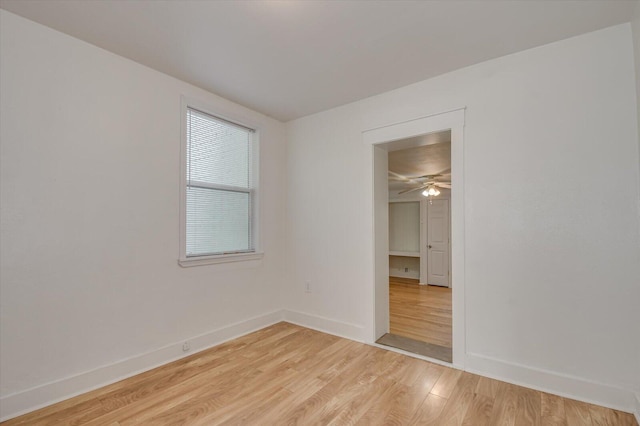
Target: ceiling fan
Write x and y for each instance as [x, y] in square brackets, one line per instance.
[428, 184]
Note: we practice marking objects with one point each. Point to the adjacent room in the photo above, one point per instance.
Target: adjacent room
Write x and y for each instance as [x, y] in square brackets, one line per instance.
[420, 279]
[319, 212]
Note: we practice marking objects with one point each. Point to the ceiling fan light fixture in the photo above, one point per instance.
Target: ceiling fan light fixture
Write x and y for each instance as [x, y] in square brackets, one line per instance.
[431, 191]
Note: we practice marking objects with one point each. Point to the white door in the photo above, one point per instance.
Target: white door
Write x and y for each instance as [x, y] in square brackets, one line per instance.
[438, 242]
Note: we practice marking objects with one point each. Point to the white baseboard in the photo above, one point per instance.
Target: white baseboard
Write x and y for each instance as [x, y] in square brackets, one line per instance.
[49, 393]
[552, 382]
[637, 410]
[404, 275]
[326, 325]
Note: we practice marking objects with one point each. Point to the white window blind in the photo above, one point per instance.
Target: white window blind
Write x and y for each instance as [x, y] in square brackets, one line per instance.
[219, 192]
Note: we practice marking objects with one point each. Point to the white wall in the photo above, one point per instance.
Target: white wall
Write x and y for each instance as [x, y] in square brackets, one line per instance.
[404, 227]
[404, 236]
[551, 215]
[635, 28]
[90, 146]
[635, 31]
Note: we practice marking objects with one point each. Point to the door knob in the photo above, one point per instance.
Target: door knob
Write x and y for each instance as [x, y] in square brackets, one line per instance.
[429, 246]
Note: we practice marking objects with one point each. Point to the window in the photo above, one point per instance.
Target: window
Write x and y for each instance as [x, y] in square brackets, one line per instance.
[219, 190]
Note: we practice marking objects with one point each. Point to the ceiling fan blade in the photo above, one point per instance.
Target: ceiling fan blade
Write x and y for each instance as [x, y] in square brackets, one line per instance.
[428, 177]
[443, 184]
[433, 176]
[435, 183]
[399, 177]
[406, 191]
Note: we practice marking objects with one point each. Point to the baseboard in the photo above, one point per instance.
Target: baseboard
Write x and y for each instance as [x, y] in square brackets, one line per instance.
[41, 396]
[408, 277]
[326, 325]
[552, 382]
[637, 410]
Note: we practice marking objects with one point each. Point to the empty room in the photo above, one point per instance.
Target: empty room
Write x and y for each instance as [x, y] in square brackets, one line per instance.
[319, 212]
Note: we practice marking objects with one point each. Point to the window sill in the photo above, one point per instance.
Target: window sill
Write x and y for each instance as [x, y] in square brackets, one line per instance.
[223, 258]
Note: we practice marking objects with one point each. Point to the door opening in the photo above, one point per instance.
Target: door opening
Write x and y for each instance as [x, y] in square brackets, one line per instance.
[419, 184]
[447, 243]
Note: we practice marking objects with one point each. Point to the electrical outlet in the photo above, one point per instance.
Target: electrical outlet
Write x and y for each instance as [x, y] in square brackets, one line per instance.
[406, 269]
[186, 347]
[307, 286]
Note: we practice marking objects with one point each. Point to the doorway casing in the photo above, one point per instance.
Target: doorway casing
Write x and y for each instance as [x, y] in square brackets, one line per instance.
[393, 137]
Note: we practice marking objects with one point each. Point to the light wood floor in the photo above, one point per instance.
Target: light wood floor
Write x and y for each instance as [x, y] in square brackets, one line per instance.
[420, 312]
[287, 375]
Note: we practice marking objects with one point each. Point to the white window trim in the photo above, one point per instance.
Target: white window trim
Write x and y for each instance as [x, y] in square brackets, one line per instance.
[183, 260]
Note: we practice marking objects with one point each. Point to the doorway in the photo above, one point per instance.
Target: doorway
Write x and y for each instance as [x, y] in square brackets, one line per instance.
[400, 136]
[419, 247]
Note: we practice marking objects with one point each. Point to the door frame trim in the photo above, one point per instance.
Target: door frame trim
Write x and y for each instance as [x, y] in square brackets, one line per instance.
[382, 137]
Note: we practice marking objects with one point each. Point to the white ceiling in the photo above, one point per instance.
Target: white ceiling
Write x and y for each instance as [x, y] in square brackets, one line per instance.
[288, 59]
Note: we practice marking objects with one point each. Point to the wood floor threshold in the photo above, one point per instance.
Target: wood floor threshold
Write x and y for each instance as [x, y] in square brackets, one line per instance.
[286, 374]
[429, 350]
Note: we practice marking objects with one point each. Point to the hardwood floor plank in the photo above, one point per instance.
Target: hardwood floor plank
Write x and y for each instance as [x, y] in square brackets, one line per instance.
[446, 383]
[228, 403]
[341, 376]
[488, 387]
[602, 416]
[418, 374]
[626, 419]
[126, 396]
[351, 401]
[458, 403]
[552, 410]
[189, 407]
[364, 396]
[381, 407]
[479, 412]
[401, 412]
[429, 411]
[577, 412]
[274, 414]
[256, 414]
[209, 384]
[419, 377]
[354, 351]
[529, 410]
[290, 375]
[506, 405]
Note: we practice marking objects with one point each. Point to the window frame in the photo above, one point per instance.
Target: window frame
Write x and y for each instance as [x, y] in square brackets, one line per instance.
[254, 191]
